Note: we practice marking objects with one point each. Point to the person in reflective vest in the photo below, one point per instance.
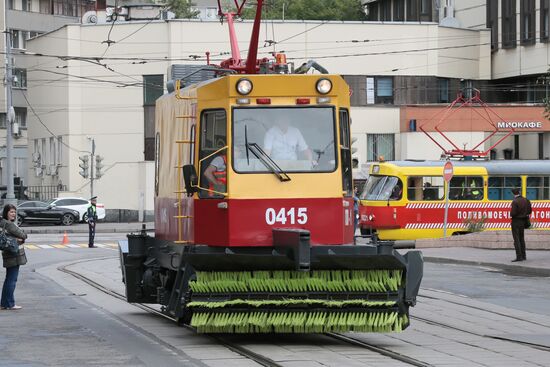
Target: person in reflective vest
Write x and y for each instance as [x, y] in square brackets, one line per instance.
[216, 173]
[471, 193]
[92, 219]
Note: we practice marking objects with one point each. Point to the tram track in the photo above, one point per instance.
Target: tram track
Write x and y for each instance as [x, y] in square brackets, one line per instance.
[239, 349]
[545, 348]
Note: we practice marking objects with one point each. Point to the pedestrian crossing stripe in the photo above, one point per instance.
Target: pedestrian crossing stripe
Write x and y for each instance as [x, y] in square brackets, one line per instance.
[52, 246]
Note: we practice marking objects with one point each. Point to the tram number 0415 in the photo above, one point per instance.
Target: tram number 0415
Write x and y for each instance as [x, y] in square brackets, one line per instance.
[284, 215]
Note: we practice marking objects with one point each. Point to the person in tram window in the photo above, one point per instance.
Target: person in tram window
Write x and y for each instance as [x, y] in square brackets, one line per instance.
[429, 192]
[216, 174]
[284, 142]
[397, 191]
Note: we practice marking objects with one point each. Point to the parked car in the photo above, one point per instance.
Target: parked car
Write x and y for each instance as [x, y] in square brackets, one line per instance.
[41, 212]
[79, 204]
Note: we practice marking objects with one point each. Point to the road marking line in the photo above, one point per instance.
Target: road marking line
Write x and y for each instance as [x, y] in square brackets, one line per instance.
[31, 247]
[45, 246]
[59, 246]
[72, 245]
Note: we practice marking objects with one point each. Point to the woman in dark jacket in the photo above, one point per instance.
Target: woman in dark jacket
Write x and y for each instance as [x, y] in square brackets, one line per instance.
[11, 261]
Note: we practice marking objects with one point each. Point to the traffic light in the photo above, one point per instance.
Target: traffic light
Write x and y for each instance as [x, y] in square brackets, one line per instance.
[98, 166]
[84, 166]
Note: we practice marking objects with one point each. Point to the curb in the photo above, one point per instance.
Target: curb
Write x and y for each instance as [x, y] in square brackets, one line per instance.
[61, 231]
[509, 269]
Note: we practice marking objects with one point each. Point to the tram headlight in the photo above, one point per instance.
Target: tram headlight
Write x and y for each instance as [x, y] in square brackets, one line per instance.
[324, 86]
[244, 86]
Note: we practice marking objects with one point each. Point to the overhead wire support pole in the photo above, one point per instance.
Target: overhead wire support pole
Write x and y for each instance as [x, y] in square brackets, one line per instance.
[92, 158]
[10, 117]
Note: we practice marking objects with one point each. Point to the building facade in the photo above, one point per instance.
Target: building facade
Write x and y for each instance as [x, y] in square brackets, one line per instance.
[109, 99]
[25, 20]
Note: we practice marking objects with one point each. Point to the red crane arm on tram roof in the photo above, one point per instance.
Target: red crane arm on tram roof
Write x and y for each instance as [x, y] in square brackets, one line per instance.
[235, 62]
[472, 102]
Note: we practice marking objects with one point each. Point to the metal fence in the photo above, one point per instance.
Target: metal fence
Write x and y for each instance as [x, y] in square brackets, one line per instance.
[44, 193]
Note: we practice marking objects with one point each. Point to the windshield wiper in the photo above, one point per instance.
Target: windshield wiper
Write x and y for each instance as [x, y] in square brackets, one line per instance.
[267, 161]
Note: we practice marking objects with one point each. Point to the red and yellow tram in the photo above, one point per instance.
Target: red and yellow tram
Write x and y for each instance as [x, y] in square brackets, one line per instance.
[405, 200]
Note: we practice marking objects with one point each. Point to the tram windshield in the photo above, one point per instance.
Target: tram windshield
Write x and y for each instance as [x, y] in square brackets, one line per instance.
[382, 188]
[297, 139]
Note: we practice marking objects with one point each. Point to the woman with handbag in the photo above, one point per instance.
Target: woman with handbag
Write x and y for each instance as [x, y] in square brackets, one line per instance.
[12, 261]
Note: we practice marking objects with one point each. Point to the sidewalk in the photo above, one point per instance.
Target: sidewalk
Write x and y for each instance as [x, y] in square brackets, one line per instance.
[102, 227]
[537, 263]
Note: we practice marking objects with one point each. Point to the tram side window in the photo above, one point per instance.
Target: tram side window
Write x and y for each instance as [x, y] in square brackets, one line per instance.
[425, 188]
[538, 188]
[500, 188]
[213, 156]
[466, 188]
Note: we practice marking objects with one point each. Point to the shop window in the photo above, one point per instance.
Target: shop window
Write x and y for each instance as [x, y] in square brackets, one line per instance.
[538, 188]
[466, 188]
[527, 22]
[425, 188]
[509, 37]
[492, 22]
[500, 188]
[544, 20]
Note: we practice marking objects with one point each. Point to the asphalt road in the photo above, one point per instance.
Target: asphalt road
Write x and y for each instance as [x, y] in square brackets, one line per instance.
[67, 323]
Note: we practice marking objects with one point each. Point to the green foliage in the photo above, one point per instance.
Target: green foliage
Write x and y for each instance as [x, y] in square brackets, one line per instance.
[474, 225]
[182, 9]
[309, 10]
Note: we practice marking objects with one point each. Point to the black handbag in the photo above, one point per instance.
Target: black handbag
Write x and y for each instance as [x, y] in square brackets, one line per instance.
[8, 243]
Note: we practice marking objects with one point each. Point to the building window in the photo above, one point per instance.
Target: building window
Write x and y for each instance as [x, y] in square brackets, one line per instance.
[509, 38]
[152, 89]
[372, 12]
[379, 90]
[10, 4]
[500, 188]
[443, 87]
[20, 117]
[398, 10]
[20, 78]
[527, 22]
[380, 145]
[59, 150]
[413, 14]
[492, 22]
[26, 5]
[426, 7]
[385, 11]
[384, 90]
[544, 21]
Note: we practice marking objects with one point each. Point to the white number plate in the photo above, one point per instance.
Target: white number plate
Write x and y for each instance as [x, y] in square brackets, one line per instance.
[284, 216]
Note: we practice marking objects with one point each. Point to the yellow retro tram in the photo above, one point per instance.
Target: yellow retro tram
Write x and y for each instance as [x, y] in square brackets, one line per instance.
[405, 200]
[267, 243]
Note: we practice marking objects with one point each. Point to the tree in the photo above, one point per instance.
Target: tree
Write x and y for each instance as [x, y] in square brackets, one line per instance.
[310, 10]
[182, 9]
